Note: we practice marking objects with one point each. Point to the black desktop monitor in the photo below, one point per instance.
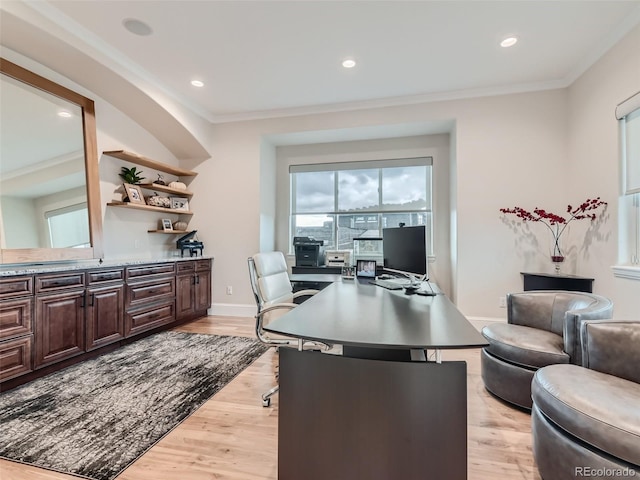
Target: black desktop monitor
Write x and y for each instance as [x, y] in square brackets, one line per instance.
[405, 251]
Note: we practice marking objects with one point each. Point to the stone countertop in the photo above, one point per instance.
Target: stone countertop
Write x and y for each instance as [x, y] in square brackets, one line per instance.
[49, 267]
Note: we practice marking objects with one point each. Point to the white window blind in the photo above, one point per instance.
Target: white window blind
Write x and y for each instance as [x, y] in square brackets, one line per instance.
[68, 227]
[628, 113]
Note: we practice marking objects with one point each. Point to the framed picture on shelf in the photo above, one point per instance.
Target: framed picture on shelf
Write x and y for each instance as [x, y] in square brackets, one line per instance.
[134, 193]
[180, 203]
[166, 225]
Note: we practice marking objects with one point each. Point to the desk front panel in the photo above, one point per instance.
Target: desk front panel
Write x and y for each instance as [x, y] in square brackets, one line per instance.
[350, 418]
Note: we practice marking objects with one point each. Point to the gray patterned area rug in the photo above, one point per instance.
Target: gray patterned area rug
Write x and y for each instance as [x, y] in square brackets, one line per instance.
[95, 418]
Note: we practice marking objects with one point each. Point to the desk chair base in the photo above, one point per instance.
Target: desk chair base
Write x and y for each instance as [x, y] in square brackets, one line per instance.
[266, 397]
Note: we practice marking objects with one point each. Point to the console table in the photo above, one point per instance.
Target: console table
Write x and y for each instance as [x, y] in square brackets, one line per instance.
[551, 281]
[365, 413]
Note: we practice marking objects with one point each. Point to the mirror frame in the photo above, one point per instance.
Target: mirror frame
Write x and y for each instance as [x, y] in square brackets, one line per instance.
[36, 255]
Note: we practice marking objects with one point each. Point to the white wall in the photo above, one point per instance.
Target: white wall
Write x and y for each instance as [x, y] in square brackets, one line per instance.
[20, 226]
[593, 154]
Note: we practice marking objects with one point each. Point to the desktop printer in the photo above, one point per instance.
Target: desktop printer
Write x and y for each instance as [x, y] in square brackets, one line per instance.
[337, 258]
[309, 251]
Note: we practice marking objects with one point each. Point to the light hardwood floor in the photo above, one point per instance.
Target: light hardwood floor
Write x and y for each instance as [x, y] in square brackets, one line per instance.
[233, 437]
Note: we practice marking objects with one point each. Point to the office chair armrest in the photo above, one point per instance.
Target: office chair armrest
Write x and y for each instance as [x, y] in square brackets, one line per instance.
[302, 293]
[307, 344]
[259, 325]
[276, 307]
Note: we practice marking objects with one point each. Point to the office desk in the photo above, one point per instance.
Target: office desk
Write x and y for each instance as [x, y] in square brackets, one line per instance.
[359, 416]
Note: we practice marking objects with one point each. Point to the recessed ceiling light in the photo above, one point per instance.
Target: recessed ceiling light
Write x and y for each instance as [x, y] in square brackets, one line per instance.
[137, 27]
[197, 83]
[64, 114]
[349, 63]
[508, 42]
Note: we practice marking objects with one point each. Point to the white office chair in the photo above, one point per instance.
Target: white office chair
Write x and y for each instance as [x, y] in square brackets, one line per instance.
[274, 297]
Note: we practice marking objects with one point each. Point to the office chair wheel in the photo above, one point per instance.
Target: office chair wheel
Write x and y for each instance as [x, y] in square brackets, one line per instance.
[266, 402]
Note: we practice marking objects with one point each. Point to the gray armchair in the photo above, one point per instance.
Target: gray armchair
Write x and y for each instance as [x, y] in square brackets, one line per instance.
[586, 419]
[542, 329]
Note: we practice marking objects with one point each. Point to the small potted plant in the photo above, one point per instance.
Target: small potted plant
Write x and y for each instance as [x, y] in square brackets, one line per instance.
[131, 175]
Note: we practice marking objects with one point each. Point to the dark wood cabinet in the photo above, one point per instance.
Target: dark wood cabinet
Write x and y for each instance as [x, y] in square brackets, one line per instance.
[60, 326]
[16, 326]
[50, 320]
[104, 315]
[104, 308]
[193, 289]
[150, 297]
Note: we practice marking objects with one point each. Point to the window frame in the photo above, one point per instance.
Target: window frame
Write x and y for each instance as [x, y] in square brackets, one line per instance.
[380, 165]
[629, 201]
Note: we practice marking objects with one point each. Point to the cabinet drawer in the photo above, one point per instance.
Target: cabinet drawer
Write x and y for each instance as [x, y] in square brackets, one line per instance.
[16, 317]
[140, 271]
[185, 267]
[143, 319]
[202, 265]
[15, 286]
[53, 283]
[15, 357]
[102, 276]
[156, 289]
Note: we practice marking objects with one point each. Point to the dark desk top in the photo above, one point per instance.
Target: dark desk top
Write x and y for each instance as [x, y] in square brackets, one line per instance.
[355, 313]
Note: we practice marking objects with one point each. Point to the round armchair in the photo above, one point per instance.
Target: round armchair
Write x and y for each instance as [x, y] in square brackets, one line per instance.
[543, 328]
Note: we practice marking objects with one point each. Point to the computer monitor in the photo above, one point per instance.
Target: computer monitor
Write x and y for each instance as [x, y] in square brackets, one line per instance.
[405, 251]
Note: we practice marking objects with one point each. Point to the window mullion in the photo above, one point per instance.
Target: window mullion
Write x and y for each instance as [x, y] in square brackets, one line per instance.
[335, 209]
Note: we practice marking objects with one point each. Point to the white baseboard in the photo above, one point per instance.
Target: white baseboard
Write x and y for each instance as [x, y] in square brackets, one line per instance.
[232, 310]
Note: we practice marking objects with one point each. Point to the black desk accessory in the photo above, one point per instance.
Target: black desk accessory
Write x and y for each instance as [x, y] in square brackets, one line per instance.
[309, 251]
[187, 242]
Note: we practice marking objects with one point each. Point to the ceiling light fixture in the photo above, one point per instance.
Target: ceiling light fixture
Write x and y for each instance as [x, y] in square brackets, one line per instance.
[197, 83]
[64, 114]
[509, 42]
[349, 63]
[137, 27]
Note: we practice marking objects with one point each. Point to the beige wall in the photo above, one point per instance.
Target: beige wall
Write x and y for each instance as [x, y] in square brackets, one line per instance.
[505, 148]
[594, 168]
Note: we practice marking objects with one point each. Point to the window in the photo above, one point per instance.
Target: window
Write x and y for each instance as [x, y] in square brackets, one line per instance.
[68, 227]
[628, 112]
[341, 201]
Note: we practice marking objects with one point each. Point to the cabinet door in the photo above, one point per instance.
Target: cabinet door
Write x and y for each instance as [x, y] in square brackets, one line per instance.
[105, 315]
[59, 331]
[202, 291]
[185, 301]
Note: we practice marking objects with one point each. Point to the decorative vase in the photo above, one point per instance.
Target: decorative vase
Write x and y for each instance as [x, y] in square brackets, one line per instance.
[557, 260]
[557, 257]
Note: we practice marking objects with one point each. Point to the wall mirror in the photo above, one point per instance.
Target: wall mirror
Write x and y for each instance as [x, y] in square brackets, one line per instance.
[49, 187]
